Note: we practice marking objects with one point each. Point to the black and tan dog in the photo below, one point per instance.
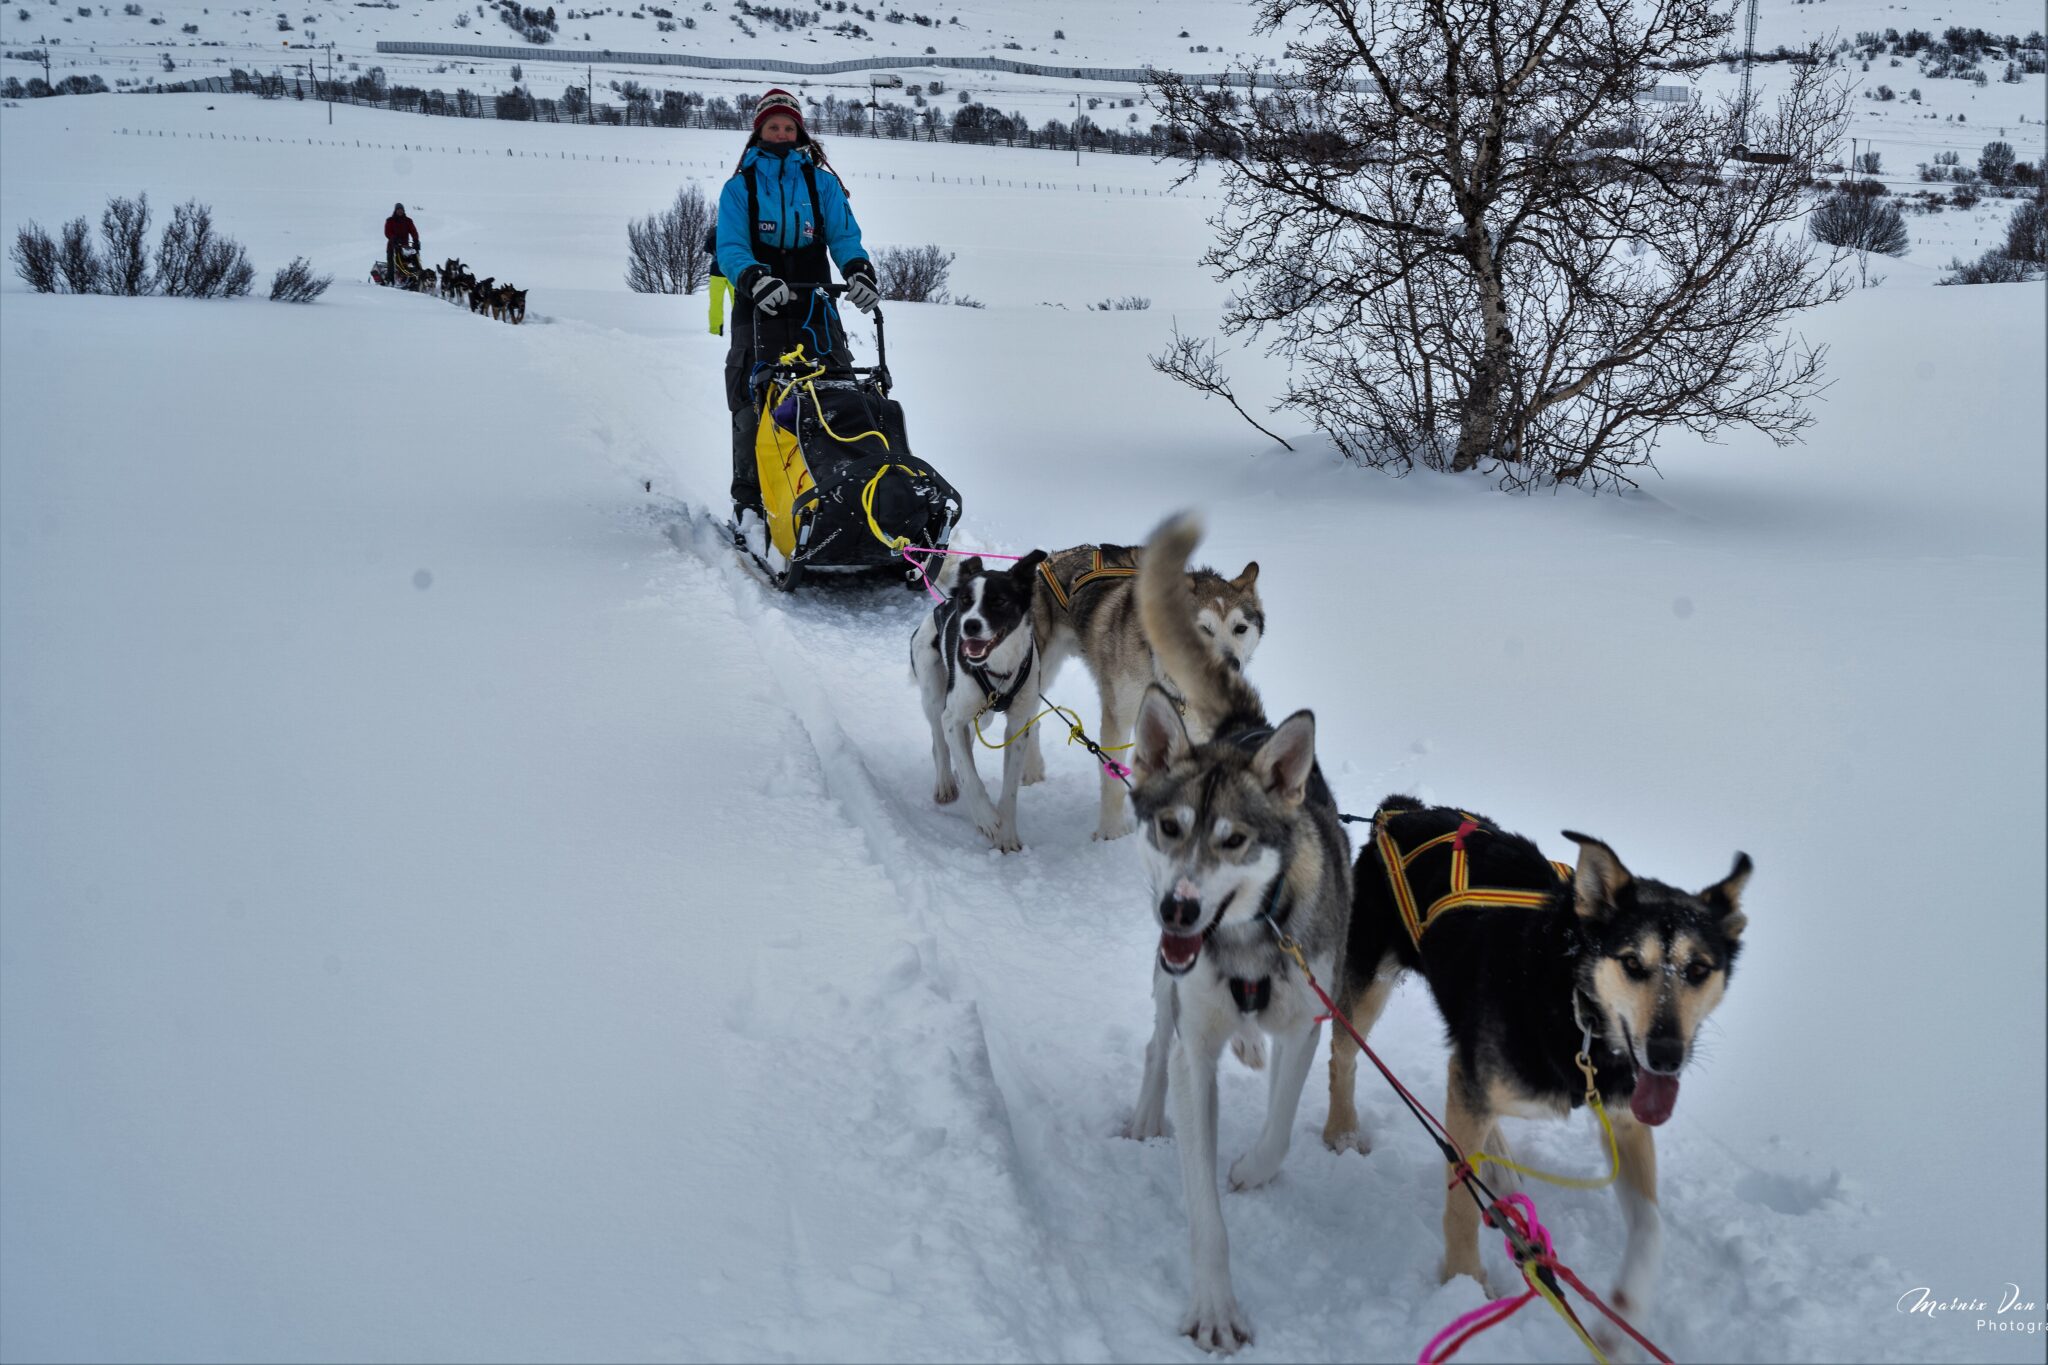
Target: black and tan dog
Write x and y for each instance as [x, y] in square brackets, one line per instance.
[513, 302]
[1531, 961]
[481, 293]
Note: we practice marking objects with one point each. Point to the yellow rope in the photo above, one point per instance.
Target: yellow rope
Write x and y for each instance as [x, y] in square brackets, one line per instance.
[1571, 1182]
[1571, 1319]
[1074, 730]
[867, 505]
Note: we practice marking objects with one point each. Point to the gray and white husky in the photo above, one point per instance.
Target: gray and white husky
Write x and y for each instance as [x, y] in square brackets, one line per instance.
[1084, 604]
[1240, 839]
[975, 655]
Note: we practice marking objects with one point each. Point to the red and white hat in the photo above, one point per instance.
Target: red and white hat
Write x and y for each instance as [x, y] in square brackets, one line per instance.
[779, 102]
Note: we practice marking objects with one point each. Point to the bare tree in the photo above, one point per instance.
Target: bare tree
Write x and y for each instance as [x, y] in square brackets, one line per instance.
[125, 228]
[34, 254]
[913, 274]
[81, 266]
[665, 251]
[1479, 249]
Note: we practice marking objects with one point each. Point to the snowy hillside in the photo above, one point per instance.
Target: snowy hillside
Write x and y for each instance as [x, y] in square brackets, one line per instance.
[450, 909]
[1927, 115]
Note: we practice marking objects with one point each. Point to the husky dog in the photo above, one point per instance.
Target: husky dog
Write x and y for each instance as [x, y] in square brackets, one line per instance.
[1241, 842]
[481, 292]
[1530, 962]
[1084, 603]
[515, 304]
[975, 655]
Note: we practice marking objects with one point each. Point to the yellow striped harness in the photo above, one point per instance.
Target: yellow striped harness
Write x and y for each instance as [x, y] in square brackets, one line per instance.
[1462, 892]
[1065, 595]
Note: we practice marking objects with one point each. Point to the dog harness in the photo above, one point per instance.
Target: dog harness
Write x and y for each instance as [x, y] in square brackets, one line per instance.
[1001, 701]
[1462, 892]
[1099, 570]
[995, 698]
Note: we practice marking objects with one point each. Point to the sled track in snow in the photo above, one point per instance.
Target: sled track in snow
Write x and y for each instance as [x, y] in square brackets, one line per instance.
[777, 628]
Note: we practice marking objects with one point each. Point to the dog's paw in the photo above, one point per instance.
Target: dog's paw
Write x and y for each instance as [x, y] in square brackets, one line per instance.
[1143, 1127]
[1251, 1051]
[1216, 1322]
[946, 792]
[1003, 838]
[1467, 1263]
[1346, 1138]
[1115, 828]
[1254, 1169]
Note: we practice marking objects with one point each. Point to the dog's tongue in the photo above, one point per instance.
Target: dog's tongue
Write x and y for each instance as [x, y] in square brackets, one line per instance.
[1656, 1096]
[1179, 951]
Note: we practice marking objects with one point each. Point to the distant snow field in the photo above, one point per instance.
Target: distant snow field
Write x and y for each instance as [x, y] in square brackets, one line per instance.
[450, 909]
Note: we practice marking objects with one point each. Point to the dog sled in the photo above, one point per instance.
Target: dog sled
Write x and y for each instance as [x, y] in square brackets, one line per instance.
[841, 492]
[409, 275]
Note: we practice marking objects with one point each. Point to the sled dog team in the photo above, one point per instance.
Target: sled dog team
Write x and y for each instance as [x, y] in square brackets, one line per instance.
[457, 283]
[1529, 961]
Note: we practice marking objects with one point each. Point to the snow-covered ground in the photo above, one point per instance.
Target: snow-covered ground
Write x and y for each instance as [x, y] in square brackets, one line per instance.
[449, 909]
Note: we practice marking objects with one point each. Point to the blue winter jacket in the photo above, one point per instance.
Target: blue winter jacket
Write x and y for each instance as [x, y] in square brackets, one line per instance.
[786, 219]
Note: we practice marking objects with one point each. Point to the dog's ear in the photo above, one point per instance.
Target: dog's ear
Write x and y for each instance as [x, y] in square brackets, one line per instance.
[1244, 581]
[1162, 739]
[1027, 566]
[1285, 760]
[1724, 898]
[1600, 879]
[949, 574]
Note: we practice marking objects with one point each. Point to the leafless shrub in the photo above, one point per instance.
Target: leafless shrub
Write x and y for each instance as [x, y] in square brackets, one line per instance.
[34, 254]
[124, 226]
[194, 261]
[296, 283]
[913, 274]
[83, 271]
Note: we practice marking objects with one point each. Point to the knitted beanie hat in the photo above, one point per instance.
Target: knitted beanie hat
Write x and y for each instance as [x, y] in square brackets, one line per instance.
[780, 102]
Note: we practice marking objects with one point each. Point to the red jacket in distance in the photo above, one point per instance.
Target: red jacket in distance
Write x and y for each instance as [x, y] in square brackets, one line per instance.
[399, 231]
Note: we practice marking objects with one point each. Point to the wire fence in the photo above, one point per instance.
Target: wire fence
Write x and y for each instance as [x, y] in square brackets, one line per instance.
[970, 124]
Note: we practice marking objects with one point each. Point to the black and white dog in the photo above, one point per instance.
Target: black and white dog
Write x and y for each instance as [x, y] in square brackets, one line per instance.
[975, 656]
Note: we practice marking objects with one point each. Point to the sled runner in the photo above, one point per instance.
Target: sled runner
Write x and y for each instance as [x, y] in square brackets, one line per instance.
[841, 491]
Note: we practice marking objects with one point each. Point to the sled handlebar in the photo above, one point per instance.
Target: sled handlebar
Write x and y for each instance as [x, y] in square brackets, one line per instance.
[881, 366]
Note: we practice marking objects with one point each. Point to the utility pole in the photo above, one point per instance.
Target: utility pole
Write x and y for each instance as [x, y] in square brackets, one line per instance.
[1077, 128]
[589, 94]
[45, 55]
[330, 82]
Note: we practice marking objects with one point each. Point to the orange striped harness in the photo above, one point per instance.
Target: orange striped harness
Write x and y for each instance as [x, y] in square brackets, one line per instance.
[1065, 595]
[1462, 892]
